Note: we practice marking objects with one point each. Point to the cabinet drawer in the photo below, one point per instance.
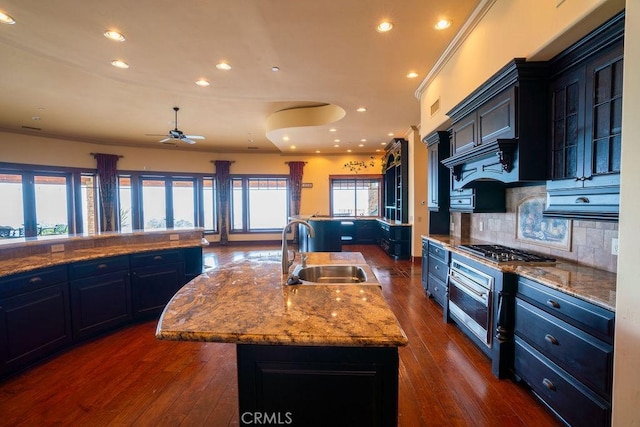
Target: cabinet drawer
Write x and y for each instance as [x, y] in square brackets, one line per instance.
[438, 268]
[25, 282]
[461, 201]
[437, 251]
[437, 289]
[100, 266]
[581, 355]
[574, 403]
[157, 258]
[593, 319]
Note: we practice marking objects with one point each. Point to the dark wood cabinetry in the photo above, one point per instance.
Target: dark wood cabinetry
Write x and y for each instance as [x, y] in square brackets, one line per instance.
[45, 310]
[586, 130]
[435, 267]
[396, 181]
[100, 295]
[564, 351]
[395, 239]
[155, 278]
[320, 386]
[438, 176]
[35, 319]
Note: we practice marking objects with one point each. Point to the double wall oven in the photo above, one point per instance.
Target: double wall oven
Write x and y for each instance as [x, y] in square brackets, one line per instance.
[481, 297]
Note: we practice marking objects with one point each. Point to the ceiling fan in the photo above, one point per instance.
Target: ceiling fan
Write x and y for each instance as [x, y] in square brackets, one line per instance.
[178, 134]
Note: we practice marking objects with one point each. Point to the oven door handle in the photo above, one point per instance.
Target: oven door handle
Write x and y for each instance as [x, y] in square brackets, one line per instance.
[460, 282]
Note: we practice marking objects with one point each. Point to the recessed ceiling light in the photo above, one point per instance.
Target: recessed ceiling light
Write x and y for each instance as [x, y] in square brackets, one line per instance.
[363, 140]
[383, 143]
[336, 140]
[360, 145]
[202, 83]
[274, 68]
[384, 26]
[390, 134]
[443, 24]
[333, 130]
[336, 145]
[317, 151]
[114, 35]
[223, 66]
[6, 19]
[285, 138]
[349, 150]
[293, 147]
[120, 64]
[412, 75]
[36, 118]
[361, 110]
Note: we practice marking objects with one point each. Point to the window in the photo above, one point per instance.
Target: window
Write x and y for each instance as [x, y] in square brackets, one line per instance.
[355, 196]
[42, 202]
[210, 212]
[259, 204]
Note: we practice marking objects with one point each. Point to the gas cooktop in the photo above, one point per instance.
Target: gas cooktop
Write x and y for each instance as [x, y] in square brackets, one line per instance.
[505, 254]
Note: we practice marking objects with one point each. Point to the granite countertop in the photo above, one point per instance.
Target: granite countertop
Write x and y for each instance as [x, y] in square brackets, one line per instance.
[248, 302]
[21, 257]
[588, 283]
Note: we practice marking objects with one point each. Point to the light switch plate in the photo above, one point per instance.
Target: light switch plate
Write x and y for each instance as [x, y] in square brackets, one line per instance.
[614, 246]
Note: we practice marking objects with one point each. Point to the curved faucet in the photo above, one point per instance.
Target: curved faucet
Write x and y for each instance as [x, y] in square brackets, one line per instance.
[286, 262]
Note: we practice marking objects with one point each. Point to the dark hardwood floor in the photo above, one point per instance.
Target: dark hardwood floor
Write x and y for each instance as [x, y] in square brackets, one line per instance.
[129, 378]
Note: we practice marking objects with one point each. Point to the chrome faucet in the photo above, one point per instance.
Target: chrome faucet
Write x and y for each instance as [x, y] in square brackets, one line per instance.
[286, 262]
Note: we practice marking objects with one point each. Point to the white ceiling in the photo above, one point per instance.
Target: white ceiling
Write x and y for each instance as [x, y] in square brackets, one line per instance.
[56, 76]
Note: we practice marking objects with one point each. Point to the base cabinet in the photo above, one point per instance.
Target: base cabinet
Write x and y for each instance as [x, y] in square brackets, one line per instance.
[564, 352]
[100, 295]
[318, 386]
[45, 310]
[435, 268]
[155, 278]
[395, 239]
[35, 319]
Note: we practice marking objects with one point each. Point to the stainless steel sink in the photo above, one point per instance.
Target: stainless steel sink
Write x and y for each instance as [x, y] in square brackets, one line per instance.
[331, 274]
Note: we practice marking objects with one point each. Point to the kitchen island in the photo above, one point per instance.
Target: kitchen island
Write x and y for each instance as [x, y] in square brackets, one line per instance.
[313, 354]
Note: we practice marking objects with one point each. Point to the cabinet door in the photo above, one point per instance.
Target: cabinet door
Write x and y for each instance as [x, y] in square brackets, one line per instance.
[433, 168]
[603, 120]
[463, 134]
[34, 324]
[567, 135]
[496, 118]
[152, 287]
[100, 303]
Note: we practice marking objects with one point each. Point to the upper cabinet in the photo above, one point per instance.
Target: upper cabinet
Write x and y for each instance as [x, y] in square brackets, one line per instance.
[499, 131]
[438, 145]
[586, 126]
[396, 181]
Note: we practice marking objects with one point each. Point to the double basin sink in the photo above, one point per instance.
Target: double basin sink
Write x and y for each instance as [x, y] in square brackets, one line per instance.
[333, 274]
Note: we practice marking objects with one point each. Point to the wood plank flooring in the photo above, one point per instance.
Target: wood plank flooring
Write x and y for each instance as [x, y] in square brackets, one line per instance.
[128, 377]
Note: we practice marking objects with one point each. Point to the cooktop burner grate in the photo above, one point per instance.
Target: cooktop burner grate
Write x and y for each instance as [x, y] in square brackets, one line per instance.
[500, 253]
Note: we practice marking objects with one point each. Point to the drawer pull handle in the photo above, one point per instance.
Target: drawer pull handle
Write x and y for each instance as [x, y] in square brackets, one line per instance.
[435, 289]
[157, 258]
[553, 303]
[437, 267]
[548, 384]
[102, 266]
[582, 200]
[551, 339]
[36, 279]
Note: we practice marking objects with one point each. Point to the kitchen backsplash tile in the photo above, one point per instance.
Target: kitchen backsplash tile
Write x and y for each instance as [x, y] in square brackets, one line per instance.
[590, 242]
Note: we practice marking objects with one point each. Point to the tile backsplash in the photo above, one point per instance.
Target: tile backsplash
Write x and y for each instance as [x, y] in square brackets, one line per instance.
[590, 242]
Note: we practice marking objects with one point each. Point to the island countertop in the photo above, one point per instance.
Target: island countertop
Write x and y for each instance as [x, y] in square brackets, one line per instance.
[248, 302]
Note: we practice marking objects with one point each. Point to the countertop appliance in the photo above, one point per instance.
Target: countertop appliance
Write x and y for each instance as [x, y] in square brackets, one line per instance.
[505, 254]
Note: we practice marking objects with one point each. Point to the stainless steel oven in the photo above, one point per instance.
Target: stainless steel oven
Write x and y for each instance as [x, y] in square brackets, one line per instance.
[471, 299]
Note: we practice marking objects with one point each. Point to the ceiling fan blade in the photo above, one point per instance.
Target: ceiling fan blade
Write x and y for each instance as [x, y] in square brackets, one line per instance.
[166, 139]
[187, 140]
[195, 136]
